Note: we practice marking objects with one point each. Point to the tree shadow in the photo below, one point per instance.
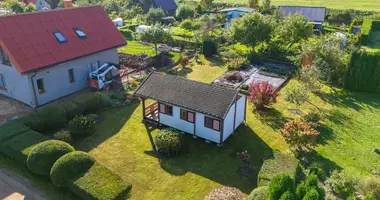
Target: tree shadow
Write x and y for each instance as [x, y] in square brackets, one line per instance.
[324, 163]
[116, 120]
[326, 134]
[220, 164]
[271, 117]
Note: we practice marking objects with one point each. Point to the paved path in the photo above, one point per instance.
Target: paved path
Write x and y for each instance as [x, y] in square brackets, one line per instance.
[14, 187]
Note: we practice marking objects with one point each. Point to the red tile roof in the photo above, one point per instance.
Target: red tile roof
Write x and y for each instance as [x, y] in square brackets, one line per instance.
[29, 42]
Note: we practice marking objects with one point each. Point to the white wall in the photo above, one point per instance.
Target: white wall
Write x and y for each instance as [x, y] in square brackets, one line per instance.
[240, 110]
[204, 132]
[176, 122]
[229, 120]
[56, 78]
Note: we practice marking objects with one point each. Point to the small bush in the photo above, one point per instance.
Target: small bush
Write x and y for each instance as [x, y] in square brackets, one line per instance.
[67, 168]
[310, 184]
[154, 16]
[262, 94]
[311, 195]
[64, 136]
[280, 185]
[90, 102]
[301, 190]
[43, 156]
[11, 129]
[19, 146]
[342, 184]
[187, 24]
[351, 197]
[53, 115]
[126, 32]
[315, 169]
[259, 193]
[370, 197]
[301, 136]
[210, 47]
[225, 193]
[168, 142]
[371, 185]
[287, 196]
[313, 117]
[185, 11]
[81, 125]
[100, 183]
[72, 110]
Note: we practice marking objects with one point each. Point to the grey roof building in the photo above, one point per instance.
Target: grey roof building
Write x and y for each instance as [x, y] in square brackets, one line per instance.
[314, 14]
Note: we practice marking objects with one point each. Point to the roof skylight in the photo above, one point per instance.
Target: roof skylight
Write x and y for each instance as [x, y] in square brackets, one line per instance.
[60, 37]
[80, 33]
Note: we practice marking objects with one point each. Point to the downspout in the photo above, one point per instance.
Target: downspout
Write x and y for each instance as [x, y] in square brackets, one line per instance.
[34, 90]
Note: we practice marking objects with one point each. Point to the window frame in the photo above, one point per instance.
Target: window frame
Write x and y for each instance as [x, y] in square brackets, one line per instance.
[56, 37]
[76, 32]
[71, 75]
[185, 117]
[41, 90]
[4, 57]
[3, 85]
[212, 126]
[168, 110]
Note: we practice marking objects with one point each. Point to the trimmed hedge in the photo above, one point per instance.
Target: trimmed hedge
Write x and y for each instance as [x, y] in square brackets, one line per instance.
[280, 164]
[53, 115]
[72, 109]
[363, 72]
[100, 183]
[20, 146]
[42, 158]
[168, 141]
[11, 129]
[90, 102]
[365, 31]
[34, 122]
[69, 167]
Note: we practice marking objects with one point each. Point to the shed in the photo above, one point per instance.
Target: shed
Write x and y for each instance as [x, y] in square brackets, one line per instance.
[204, 110]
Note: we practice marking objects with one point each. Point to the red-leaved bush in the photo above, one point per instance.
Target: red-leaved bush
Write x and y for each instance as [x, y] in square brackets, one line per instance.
[301, 136]
[262, 94]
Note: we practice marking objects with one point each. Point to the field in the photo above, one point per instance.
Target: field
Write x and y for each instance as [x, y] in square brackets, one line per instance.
[371, 5]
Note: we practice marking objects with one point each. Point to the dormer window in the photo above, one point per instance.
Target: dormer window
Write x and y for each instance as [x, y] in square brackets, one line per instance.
[80, 33]
[60, 37]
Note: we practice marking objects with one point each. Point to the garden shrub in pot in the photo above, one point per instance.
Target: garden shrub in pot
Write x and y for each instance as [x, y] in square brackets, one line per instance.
[168, 141]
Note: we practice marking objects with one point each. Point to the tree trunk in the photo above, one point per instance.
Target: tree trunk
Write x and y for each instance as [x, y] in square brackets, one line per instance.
[155, 47]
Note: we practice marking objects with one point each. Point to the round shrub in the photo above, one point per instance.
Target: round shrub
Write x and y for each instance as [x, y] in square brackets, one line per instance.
[187, 24]
[371, 185]
[225, 193]
[53, 115]
[44, 155]
[168, 142]
[311, 195]
[279, 185]
[342, 184]
[64, 136]
[81, 125]
[259, 193]
[287, 196]
[185, 11]
[69, 167]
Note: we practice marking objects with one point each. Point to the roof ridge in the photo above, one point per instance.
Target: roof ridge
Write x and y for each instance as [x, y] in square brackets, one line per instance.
[47, 11]
[305, 6]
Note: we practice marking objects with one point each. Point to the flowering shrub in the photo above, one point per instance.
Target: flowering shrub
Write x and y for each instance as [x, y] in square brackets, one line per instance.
[262, 94]
[244, 156]
[301, 136]
[81, 125]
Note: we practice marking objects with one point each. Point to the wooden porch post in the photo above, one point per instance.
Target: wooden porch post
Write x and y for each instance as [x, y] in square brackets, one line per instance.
[143, 106]
[221, 124]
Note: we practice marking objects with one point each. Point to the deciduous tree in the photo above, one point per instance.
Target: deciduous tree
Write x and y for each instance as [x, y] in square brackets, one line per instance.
[154, 16]
[301, 136]
[155, 34]
[206, 4]
[294, 28]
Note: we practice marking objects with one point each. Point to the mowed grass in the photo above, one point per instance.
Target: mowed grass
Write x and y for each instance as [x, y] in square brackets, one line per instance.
[349, 135]
[135, 47]
[370, 5]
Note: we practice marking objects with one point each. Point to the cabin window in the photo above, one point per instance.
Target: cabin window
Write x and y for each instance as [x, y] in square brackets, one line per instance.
[165, 109]
[187, 116]
[80, 33]
[2, 82]
[212, 123]
[4, 58]
[60, 37]
[40, 86]
[71, 75]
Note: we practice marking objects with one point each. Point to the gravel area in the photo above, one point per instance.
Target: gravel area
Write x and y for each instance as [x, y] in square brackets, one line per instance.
[11, 108]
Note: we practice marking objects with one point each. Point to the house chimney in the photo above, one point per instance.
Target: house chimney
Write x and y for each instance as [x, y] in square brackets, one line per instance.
[67, 3]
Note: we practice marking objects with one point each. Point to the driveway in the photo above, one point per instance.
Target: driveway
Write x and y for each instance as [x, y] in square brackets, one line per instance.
[14, 187]
[10, 108]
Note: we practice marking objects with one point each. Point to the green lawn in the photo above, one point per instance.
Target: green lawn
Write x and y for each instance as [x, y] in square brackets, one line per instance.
[337, 4]
[134, 47]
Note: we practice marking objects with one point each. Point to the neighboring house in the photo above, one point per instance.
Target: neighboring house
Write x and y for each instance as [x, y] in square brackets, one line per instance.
[40, 4]
[208, 111]
[235, 13]
[168, 6]
[315, 14]
[48, 54]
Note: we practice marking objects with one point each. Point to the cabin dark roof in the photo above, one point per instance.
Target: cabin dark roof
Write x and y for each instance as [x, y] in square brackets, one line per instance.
[166, 5]
[212, 100]
[315, 14]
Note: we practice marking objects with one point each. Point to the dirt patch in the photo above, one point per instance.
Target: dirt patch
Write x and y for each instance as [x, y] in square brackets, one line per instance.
[11, 108]
[143, 61]
[14, 187]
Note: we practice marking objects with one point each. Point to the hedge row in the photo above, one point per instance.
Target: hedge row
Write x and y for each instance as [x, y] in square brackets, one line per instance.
[363, 72]
[365, 31]
[100, 183]
[19, 146]
[11, 129]
[280, 164]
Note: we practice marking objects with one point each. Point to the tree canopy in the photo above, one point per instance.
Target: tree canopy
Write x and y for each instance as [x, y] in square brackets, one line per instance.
[294, 28]
[156, 34]
[154, 15]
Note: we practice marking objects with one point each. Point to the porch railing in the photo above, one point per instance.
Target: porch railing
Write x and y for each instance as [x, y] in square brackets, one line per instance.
[149, 110]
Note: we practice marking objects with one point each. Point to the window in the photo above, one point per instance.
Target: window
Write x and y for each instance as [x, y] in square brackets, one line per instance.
[212, 123]
[94, 66]
[165, 109]
[80, 33]
[40, 86]
[60, 37]
[187, 116]
[4, 58]
[71, 75]
[2, 82]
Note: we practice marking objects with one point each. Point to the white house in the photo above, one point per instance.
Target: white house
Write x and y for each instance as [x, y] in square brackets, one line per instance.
[208, 111]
